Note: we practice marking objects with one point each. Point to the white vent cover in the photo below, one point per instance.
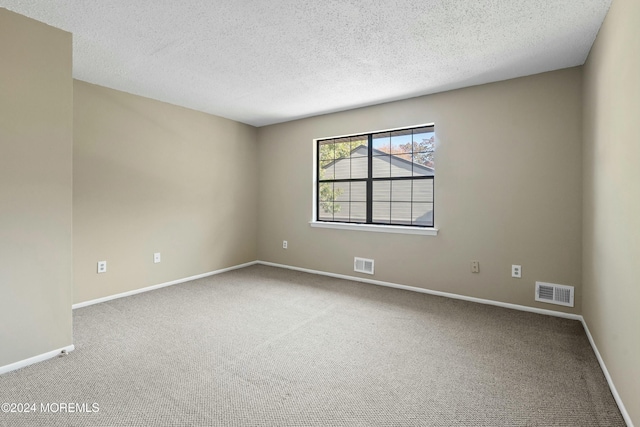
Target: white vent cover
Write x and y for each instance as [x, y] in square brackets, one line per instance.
[554, 294]
[363, 265]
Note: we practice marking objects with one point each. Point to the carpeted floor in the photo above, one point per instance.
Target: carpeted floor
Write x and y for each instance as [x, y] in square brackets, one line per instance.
[266, 346]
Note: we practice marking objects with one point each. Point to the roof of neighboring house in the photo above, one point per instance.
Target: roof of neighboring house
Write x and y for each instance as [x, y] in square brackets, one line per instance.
[363, 149]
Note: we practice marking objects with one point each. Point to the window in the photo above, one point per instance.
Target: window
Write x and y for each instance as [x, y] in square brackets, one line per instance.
[383, 178]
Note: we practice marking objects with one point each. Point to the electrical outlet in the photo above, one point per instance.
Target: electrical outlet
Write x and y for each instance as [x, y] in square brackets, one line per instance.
[102, 267]
[284, 244]
[156, 257]
[475, 266]
[516, 271]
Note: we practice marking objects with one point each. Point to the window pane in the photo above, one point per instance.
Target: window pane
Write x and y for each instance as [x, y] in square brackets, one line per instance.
[326, 150]
[400, 213]
[341, 192]
[400, 166]
[343, 168]
[382, 142]
[326, 211]
[359, 146]
[359, 191]
[423, 164]
[326, 192]
[422, 214]
[327, 170]
[382, 212]
[359, 167]
[381, 166]
[423, 139]
[423, 190]
[382, 191]
[358, 212]
[342, 148]
[341, 211]
[401, 191]
[401, 141]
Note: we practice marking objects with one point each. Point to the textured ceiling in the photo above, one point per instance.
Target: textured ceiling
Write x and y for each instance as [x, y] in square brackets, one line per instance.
[269, 61]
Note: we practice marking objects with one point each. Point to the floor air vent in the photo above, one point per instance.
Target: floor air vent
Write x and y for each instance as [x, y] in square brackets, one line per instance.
[363, 265]
[554, 294]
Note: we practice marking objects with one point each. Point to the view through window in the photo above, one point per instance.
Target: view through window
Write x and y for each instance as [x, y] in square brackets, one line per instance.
[377, 178]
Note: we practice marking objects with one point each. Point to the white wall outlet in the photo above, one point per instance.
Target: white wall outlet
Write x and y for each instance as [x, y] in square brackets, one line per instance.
[156, 257]
[284, 244]
[516, 271]
[475, 266]
[102, 267]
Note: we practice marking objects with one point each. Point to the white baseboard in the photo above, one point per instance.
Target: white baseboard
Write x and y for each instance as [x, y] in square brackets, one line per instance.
[616, 396]
[571, 316]
[161, 285]
[35, 359]
[54, 353]
[614, 391]
[430, 292]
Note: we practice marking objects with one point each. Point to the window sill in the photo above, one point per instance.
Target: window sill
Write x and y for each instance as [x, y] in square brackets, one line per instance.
[376, 228]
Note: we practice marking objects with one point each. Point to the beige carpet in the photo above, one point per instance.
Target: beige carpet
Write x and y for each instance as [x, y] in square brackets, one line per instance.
[265, 346]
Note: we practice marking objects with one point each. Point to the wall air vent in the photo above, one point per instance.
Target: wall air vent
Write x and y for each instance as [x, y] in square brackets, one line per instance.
[363, 265]
[554, 294]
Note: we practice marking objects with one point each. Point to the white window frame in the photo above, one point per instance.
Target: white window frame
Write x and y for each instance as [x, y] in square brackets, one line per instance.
[397, 229]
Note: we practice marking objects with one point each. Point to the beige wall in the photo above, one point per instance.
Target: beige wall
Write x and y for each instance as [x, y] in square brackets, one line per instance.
[35, 188]
[153, 177]
[508, 191]
[611, 301]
